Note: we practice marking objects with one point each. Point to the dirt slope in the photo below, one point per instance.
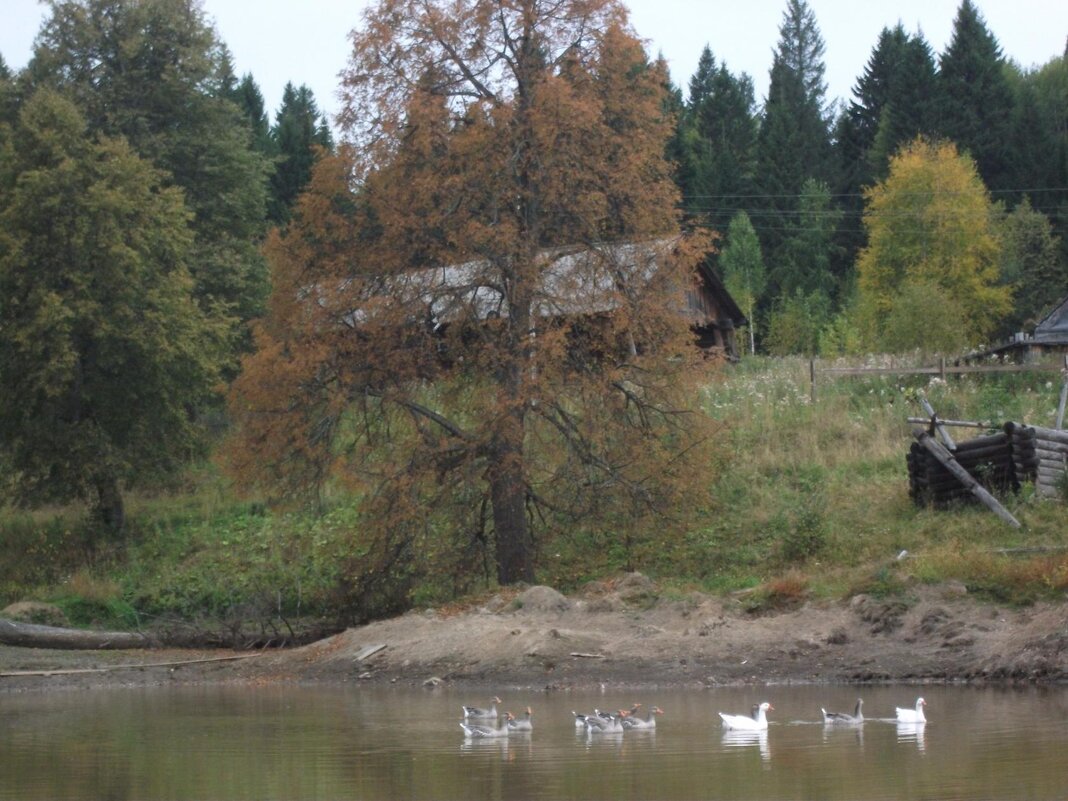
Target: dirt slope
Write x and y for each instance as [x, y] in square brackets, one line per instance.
[625, 634]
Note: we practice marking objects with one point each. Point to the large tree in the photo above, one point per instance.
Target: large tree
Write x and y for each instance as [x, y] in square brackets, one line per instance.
[794, 142]
[102, 351]
[976, 102]
[719, 131]
[931, 224]
[479, 315]
[155, 73]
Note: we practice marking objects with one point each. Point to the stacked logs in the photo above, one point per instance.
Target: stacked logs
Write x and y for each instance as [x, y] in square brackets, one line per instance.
[1051, 452]
[989, 459]
[999, 462]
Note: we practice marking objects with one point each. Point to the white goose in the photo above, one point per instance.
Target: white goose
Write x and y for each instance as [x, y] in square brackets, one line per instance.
[747, 723]
[476, 731]
[844, 717]
[916, 715]
[477, 713]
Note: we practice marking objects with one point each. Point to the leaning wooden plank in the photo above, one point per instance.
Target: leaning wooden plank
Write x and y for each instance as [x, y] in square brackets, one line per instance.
[939, 452]
[31, 635]
[937, 423]
[368, 651]
[108, 668]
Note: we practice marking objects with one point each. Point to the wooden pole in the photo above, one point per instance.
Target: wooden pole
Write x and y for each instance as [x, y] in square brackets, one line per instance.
[812, 378]
[939, 452]
[1064, 396]
[958, 423]
[938, 423]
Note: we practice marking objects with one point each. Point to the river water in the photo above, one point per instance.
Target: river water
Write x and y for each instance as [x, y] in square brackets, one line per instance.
[353, 742]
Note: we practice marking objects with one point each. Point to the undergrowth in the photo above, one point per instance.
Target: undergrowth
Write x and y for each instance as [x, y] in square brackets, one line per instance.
[806, 499]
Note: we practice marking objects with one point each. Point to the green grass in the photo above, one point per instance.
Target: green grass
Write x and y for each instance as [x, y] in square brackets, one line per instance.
[805, 500]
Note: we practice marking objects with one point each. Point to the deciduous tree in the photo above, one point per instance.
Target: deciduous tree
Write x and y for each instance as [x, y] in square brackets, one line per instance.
[743, 269]
[932, 223]
[476, 316]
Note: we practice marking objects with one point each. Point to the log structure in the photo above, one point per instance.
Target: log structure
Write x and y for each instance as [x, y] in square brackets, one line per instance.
[999, 462]
[1050, 458]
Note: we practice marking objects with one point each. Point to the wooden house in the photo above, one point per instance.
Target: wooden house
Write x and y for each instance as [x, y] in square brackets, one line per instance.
[1049, 339]
[576, 282]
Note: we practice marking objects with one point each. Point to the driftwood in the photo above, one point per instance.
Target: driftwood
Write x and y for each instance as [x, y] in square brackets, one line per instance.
[109, 668]
[31, 635]
[939, 452]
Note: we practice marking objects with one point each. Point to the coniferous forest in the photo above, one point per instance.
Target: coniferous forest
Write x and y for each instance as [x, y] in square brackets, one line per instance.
[188, 278]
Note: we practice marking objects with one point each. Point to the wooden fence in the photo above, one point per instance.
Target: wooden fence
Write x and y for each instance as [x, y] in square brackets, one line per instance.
[942, 369]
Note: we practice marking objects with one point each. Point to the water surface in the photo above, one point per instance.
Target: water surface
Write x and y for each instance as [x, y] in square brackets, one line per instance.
[353, 742]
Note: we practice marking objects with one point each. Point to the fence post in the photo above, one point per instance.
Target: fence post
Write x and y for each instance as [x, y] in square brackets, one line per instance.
[1064, 396]
[942, 368]
[812, 378]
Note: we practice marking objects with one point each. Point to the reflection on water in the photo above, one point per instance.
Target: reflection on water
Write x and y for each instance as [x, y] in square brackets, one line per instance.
[352, 742]
[733, 738]
[912, 733]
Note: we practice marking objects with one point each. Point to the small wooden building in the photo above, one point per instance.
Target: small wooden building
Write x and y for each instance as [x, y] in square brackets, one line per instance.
[718, 314]
[1050, 338]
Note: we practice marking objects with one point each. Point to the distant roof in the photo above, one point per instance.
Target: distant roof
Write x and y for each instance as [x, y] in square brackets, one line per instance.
[575, 280]
[1054, 326]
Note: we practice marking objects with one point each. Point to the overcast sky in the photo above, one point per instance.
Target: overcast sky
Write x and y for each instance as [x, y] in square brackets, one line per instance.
[305, 41]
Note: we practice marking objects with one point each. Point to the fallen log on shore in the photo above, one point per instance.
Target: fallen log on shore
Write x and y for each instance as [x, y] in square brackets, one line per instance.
[31, 635]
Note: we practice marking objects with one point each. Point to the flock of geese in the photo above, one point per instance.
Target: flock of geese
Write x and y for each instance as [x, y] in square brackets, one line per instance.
[479, 722]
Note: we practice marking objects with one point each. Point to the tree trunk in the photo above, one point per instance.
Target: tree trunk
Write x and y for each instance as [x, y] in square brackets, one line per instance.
[110, 511]
[29, 635]
[508, 495]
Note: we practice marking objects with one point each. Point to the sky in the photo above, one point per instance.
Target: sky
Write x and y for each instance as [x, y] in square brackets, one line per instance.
[305, 41]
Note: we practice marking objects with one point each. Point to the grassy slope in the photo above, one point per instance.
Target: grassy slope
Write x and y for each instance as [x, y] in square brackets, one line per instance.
[811, 499]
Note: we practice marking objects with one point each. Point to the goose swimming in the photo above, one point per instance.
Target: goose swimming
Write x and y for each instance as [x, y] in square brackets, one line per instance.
[747, 723]
[844, 717]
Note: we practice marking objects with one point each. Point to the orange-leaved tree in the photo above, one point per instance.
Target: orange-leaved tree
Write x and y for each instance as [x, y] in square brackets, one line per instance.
[479, 312]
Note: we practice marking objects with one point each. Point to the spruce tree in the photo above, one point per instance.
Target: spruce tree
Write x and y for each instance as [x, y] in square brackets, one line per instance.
[249, 99]
[794, 141]
[975, 99]
[299, 130]
[720, 143]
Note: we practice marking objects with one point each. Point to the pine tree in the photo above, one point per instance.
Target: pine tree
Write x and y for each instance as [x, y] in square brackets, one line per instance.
[298, 131]
[975, 98]
[515, 399]
[1032, 265]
